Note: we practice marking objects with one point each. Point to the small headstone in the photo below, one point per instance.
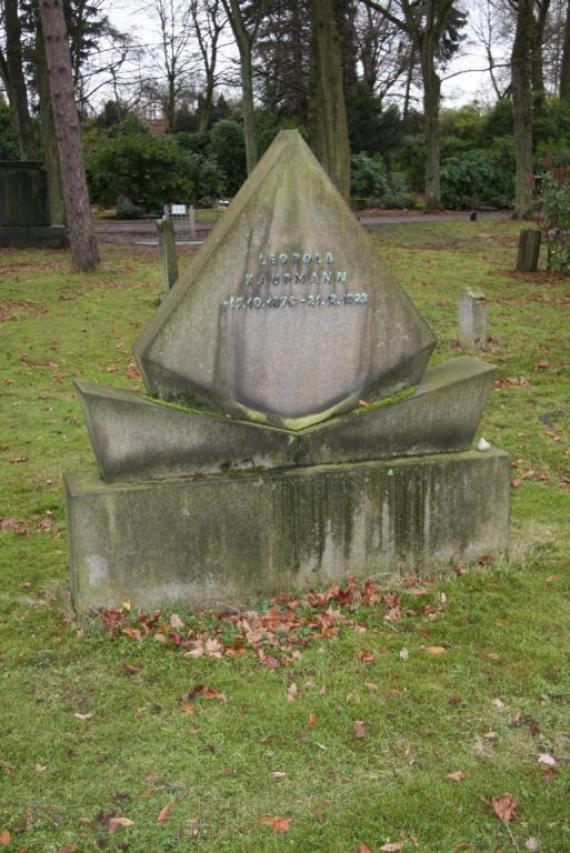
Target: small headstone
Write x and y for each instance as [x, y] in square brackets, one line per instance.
[167, 248]
[472, 319]
[529, 250]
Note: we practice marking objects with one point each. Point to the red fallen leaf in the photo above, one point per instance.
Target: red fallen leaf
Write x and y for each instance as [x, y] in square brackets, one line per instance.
[164, 813]
[4, 838]
[504, 807]
[359, 729]
[111, 617]
[365, 656]
[369, 594]
[458, 776]
[278, 824]
[392, 846]
[312, 720]
[130, 669]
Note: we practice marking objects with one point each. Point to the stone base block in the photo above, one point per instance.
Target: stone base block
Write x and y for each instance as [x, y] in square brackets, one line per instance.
[212, 541]
[34, 237]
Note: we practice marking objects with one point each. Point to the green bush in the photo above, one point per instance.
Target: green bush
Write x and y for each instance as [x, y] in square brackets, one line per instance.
[152, 171]
[368, 176]
[482, 177]
[555, 219]
[228, 148]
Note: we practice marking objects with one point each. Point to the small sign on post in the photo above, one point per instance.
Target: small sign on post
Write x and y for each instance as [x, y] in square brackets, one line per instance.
[167, 247]
[472, 319]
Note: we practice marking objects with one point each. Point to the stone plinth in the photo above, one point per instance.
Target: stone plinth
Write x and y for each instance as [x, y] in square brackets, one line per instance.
[210, 541]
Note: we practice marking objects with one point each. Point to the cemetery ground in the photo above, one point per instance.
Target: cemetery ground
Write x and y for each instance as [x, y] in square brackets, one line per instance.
[433, 715]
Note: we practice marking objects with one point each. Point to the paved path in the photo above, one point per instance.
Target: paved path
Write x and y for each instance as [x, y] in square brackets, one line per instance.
[142, 232]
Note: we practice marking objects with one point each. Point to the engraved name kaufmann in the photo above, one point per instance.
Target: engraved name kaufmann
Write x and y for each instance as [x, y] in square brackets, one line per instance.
[284, 269]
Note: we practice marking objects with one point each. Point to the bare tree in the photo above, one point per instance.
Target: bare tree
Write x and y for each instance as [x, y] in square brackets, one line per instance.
[208, 26]
[385, 54]
[84, 254]
[433, 28]
[522, 106]
[327, 107]
[245, 20]
[565, 64]
[172, 54]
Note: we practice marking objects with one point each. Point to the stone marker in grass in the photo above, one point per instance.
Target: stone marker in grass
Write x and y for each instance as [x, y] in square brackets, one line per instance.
[290, 434]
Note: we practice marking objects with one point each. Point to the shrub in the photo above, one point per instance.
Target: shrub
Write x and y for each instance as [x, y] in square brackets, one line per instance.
[228, 148]
[482, 177]
[555, 219]
[368, 176]
[152, 171]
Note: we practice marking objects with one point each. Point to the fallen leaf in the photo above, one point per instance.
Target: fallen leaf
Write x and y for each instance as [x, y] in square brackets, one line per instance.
[68, 848]
[434, 650]
[176, 622]
[82, 717]
[40, 768]
[392, 846]
[370, 685]
[365, 656]
[4, 838]
[404, 654]
[312, 720]
[359, 729]
[278, 774]
[279, 824]
[116, 822]
[493, 656]
[552, 578]
[504, 807]
[364, 848]
[458, 776]
[498, 703]
[164, 813]
[292, 692]
[542, 365]
[547, 759]
[532, 844]
[130, 669]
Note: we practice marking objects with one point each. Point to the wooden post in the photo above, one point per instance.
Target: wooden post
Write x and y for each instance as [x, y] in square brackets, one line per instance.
[167, 246]
[529, 249]
[472, 319]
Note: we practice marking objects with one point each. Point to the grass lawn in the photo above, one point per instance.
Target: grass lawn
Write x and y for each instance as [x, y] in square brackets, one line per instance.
[342, 731]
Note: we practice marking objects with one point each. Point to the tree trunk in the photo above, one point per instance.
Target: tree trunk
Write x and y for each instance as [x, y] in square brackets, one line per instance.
[537, 64]
[431, 98]
[327, 107]
[84, 255]
[49, 138]
[244, 43]
[17, 90]
[522, 110]
[565, 66]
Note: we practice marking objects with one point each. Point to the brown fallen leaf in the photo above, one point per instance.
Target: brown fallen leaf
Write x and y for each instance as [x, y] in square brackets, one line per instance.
[364, 848]
[458, 776]
[278, 824]
[116, 822]
[365, 656]
[68, 848]
[505, 807]
[164, 813]
[370, 685]
[130, 669]
[359, 729]
[5, 838]
[434, 650]
[188, 709]
[392, 846]
[312, 720]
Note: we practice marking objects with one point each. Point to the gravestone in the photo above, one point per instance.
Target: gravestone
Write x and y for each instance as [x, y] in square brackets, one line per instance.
[25, 209]
[291, 432]
[472, 326]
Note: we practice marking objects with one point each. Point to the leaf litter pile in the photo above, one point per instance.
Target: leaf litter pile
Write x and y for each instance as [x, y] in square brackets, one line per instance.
[276, 636]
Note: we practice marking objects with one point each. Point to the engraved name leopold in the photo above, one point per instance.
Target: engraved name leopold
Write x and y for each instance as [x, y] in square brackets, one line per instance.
[301, 268]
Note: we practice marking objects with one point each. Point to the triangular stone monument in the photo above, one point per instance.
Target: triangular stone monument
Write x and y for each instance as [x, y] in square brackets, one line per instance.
[268, 472]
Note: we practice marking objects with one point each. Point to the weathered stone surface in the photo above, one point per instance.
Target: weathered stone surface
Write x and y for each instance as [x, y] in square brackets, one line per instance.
[472, 326]
[217, 540]
[441, 416]
[23, 194]
[287, 314]
[135, 438]
[34, 237]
